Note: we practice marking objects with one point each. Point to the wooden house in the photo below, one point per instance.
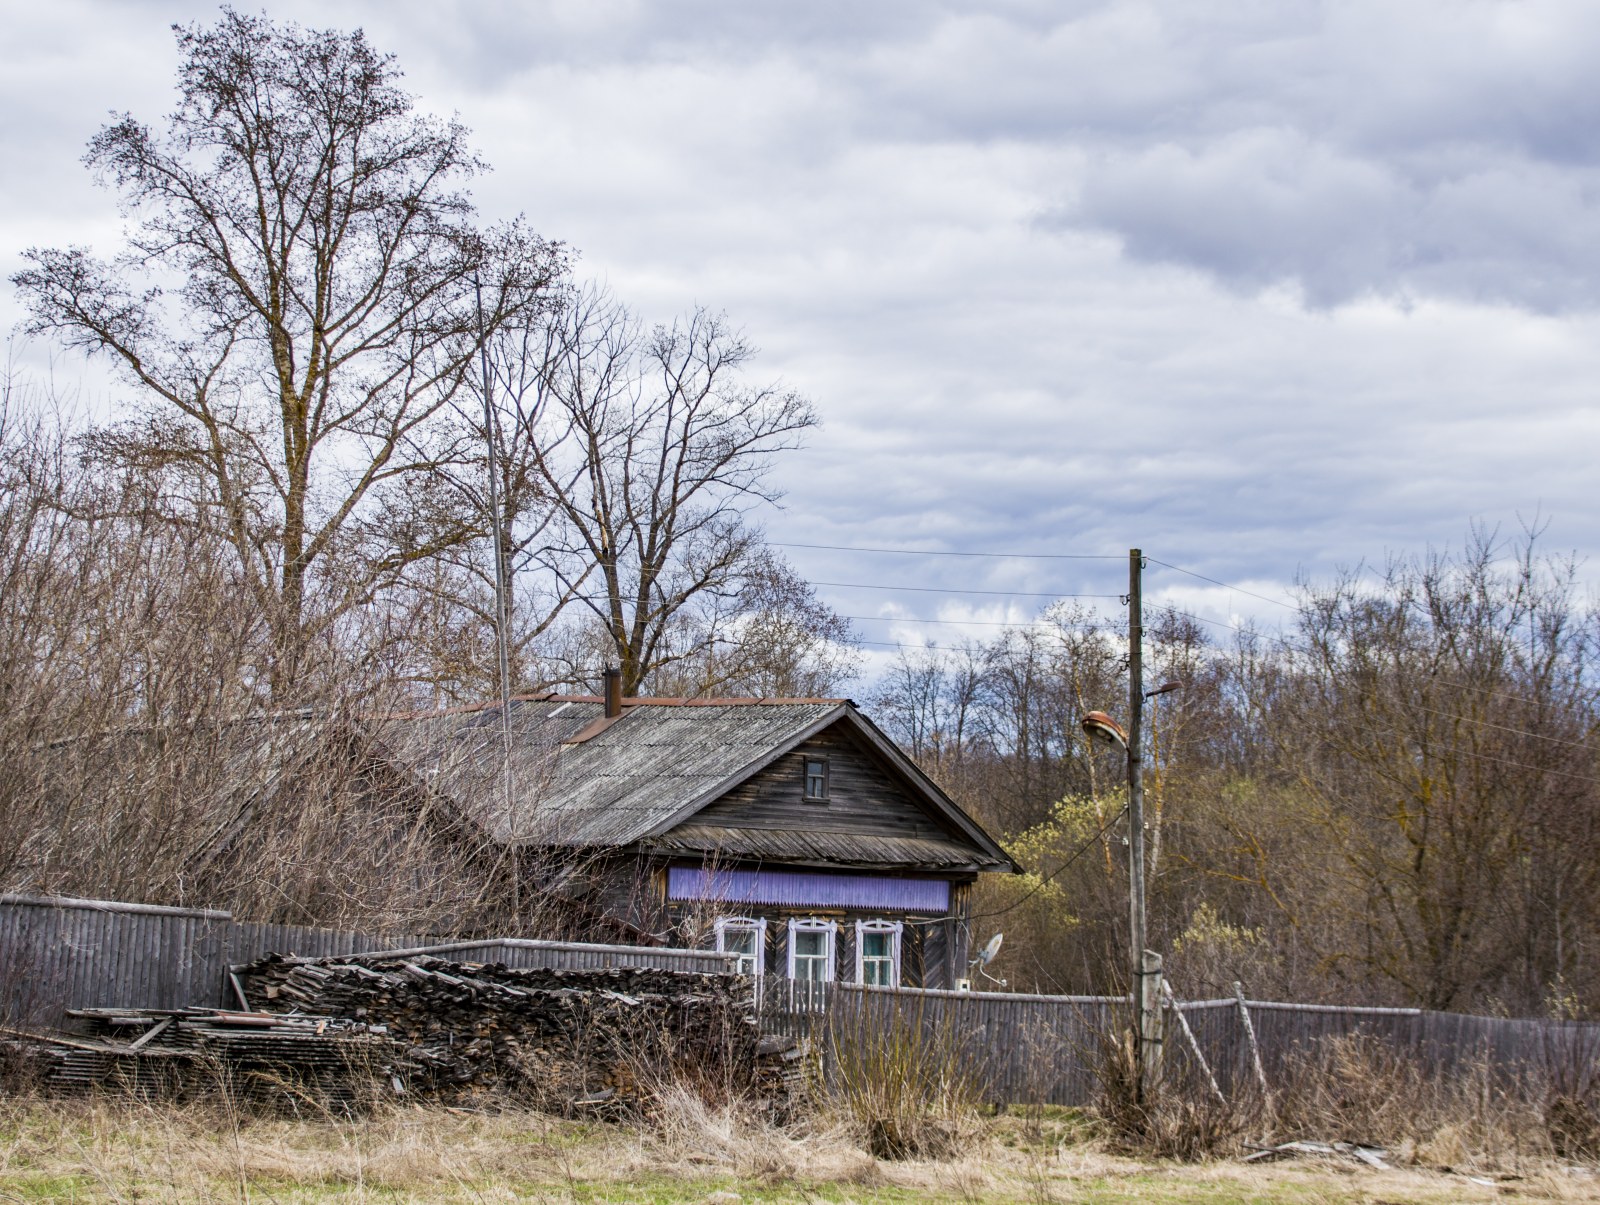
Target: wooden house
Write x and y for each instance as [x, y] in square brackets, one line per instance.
[792, 832]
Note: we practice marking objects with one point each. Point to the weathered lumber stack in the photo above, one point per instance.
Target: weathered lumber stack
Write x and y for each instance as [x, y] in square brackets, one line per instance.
[315, 1033]
[554, 1038]
[295, 1062]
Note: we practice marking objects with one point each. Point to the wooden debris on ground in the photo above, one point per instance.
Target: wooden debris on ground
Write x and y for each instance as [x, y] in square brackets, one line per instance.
[1372, 1156]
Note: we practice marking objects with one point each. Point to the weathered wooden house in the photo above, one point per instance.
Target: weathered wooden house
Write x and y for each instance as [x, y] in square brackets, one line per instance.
[792, 832]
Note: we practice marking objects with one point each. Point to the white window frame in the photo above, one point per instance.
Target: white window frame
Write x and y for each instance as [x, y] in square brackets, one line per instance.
[745, 924]
[832, 945]
[891, 927]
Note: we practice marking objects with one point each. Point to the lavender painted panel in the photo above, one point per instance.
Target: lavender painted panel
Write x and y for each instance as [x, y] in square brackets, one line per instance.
[794, 889]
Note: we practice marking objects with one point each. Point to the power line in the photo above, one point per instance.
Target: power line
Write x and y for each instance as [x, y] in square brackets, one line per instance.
[886, 644]
[944, 590]
[1277, 602]
[1039, 886]
[1502, 761]
[980, 623]
[1009, 556]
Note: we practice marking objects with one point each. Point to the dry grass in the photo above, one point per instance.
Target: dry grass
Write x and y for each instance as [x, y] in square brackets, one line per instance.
[104, 1151]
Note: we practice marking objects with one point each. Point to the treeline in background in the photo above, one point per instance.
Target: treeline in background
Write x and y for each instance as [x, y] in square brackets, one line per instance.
[1388, 799]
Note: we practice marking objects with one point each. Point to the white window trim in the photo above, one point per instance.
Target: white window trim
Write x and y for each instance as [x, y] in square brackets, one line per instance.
[879, 926]
[816, 926]
[745, 924]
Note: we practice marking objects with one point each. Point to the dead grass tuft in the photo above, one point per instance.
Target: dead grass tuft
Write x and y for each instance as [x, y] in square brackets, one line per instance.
[688, 1134]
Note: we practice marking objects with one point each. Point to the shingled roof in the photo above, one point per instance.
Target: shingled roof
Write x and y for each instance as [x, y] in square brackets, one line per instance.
[579, 780]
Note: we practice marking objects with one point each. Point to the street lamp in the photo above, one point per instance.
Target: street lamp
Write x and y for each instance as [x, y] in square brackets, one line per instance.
[1146, 993]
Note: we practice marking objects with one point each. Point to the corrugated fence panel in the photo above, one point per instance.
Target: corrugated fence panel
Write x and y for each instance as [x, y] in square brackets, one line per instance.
[1013, 1048]
[58, 954]
[253, 940]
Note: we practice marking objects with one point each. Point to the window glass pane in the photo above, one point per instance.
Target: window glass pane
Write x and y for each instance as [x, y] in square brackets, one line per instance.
[816, 779]
[812, 953]
[878, 957]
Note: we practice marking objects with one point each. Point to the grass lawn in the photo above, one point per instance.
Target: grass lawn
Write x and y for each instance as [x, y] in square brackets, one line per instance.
[112, 1151]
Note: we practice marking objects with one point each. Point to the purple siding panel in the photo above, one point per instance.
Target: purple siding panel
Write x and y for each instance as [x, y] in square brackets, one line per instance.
[795, 889]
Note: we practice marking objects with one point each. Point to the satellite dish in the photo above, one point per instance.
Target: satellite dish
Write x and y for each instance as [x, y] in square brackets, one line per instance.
[988, 953]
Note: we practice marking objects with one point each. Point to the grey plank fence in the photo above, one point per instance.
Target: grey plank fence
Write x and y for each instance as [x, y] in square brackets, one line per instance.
[1022, 1049]
[58, 953]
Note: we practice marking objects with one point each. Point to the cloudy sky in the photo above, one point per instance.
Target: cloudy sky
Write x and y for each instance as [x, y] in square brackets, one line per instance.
[1264, 287]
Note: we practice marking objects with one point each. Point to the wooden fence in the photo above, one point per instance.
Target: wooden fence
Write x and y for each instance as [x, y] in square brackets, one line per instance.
[1023, 1049]
[58, 953]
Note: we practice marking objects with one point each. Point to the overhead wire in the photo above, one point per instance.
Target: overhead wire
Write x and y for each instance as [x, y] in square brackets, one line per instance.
[1039, 886]
[959, 590]
[1277, 602]
[1009, 556]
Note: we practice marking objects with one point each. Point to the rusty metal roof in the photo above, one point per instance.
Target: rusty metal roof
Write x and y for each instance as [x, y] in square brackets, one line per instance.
[641, 778]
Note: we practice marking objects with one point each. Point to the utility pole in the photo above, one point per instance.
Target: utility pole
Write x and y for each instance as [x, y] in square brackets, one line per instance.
[502, 617]
[1146, 964]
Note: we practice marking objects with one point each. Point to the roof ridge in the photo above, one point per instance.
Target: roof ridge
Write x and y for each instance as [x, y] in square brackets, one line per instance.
[631, 701]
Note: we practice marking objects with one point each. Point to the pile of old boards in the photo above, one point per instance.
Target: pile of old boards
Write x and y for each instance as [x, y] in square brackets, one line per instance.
[337, 1031]
[300, 1063]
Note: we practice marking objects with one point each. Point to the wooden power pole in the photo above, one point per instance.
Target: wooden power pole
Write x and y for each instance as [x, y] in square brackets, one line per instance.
[1146, 964]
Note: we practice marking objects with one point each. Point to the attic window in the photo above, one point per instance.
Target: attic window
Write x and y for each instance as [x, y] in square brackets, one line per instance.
[816, 780]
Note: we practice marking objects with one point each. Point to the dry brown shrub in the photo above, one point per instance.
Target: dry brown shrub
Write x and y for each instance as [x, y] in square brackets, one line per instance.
[1178, 1116]
[1362, 1089]
[734, 1136]
[908, 1083]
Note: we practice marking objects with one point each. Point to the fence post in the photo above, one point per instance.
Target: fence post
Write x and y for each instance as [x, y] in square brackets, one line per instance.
[1250, 1038]
[1194, 1046]
[1150, 1016]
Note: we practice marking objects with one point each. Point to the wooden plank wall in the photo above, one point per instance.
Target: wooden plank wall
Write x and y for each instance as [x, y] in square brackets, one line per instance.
[863, 797]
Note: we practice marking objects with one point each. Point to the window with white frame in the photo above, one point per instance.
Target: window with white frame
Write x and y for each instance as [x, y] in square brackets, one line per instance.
[878, 953]
[811, 950]
[745, 938]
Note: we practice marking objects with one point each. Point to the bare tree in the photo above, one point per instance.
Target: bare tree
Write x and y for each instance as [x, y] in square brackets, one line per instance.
[774, 639]
[651, 449]
[296, 305]
[1438, 726]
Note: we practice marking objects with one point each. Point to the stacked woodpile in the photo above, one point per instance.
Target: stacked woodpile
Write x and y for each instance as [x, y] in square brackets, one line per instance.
[315, 1033]
[553, 1038]
[298, 1063]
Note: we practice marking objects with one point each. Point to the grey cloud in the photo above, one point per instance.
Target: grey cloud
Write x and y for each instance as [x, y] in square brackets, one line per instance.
[1267, 206]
